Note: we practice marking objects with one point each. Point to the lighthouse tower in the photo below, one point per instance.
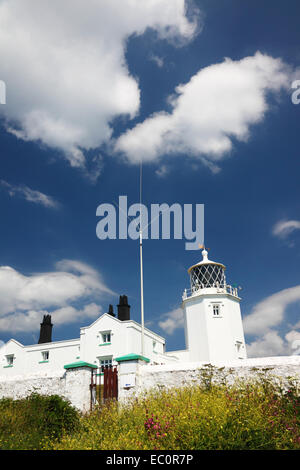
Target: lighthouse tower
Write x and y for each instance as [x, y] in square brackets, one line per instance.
[212, 316]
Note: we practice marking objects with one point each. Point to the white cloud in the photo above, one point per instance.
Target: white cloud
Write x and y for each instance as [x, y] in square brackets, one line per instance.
[159, 61]
[293, 337]
[219, 103]
[283, 228]
[31, 195]
[162, 171]
[65, 69]
[272, 344]
[270, 311]
[265, 316]
[30, 320]
[24, 299]
[172, 321]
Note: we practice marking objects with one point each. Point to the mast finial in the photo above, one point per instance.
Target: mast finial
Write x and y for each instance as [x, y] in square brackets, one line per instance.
[204, 252]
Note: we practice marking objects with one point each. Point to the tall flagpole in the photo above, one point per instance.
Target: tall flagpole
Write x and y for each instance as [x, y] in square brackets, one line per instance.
[141, 264]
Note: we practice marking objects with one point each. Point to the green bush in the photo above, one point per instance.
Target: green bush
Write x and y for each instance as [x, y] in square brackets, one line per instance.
[31, 422]
[243, 416]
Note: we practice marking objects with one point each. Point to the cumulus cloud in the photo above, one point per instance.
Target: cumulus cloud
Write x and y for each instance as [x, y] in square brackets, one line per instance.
[172, 321]
[272, 344]
[283, 228]
[65, 69]
[263, 320]
[30, 195]
[27, 321]
[24, 299]
[219, 103]
[270, 311]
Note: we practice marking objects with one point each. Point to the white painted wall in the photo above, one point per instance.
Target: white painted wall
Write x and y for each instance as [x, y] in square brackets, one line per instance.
[71, 384]
[183, 374]
[180, 355]
[210, 338]
[29, 360]
[125, 339]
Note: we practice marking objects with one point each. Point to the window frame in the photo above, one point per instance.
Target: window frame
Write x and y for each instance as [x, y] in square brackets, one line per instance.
[216, 308]
[10, 359]
[108, 359]
[45, 355]
[105, 337]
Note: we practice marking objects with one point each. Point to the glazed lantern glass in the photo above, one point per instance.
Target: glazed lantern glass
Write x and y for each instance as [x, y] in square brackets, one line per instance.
[207, 274]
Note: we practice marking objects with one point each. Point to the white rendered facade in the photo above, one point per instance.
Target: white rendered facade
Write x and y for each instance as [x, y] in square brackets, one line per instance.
[104, 340]
[212, 316]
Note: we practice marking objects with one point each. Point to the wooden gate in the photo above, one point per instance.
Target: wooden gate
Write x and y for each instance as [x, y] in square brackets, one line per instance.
[104, 385]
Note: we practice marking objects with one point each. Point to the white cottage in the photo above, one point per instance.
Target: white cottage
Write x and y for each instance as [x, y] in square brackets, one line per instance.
[100, 343]
[212, 321]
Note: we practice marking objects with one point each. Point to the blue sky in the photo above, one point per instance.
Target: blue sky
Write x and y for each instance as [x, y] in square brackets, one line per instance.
[88, 93]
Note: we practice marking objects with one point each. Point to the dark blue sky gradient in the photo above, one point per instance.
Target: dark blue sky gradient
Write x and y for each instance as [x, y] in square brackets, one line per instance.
[258, 183]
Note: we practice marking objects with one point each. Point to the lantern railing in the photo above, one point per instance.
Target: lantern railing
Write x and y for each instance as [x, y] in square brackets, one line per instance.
[227, 289]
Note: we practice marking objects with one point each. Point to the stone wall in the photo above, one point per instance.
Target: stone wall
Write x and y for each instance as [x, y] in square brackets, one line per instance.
[71, 384]
[182, 374]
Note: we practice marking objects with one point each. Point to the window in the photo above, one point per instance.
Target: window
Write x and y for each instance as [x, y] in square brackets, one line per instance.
[239, 345]
[216, 310]
[106, 337]
[105, 361]
[10, 360]
[45, 355]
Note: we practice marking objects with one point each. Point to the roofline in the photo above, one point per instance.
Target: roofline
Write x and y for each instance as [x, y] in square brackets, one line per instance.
[122, 321]
[146, 329]
[13, 341]
[201, 263]
[53, 343]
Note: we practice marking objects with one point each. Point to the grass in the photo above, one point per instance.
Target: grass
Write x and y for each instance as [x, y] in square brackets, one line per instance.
[253, 415]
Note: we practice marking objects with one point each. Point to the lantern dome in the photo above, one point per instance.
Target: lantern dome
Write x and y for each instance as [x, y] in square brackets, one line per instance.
[207, 273]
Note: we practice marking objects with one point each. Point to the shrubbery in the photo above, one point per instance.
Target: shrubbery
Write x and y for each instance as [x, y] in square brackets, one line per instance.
[256, 415]
[33, 422]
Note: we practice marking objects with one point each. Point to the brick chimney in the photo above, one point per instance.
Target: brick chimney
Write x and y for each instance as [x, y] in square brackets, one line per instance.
[46, 330]
[111, 310]
[123, 308]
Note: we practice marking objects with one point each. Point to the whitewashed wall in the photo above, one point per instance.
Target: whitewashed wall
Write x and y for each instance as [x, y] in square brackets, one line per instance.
[136, 377]
[72, 384]
[182, 374]
[209, 337]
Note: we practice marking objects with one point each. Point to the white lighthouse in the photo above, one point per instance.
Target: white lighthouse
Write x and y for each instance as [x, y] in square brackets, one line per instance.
[213, 322]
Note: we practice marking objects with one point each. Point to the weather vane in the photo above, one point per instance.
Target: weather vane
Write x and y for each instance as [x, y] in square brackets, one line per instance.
[203, 247]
